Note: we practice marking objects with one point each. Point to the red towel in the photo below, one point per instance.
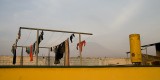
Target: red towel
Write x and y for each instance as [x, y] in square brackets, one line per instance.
[31, 53]
[81, 45]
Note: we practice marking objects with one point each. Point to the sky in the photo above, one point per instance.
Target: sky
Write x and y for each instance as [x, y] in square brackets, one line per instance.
[110, 21]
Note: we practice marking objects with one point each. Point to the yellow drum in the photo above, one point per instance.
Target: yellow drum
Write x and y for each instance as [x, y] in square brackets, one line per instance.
[135, 48]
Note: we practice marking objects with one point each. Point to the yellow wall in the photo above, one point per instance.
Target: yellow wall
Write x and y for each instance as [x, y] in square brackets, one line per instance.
[135, 48]
[110, 73]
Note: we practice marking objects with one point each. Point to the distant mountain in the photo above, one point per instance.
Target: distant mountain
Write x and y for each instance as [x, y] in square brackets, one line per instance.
[93, 49]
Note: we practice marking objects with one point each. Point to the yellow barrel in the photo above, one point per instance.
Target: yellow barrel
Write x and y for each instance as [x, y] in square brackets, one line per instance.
[135, 48]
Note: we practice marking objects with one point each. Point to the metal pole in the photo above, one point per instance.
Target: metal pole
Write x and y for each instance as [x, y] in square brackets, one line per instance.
[21, 62]
[55, 30]
[37, 48]
[66, 60]
[146, 51]
[147, 55]
[127, 59]
[49, 57]
[80, 49]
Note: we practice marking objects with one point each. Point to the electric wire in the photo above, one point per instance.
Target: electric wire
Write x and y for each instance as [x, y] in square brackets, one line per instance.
[56, 40]
[47, 42]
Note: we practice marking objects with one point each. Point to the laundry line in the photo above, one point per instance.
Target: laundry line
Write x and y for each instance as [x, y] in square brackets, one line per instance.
[41, 35]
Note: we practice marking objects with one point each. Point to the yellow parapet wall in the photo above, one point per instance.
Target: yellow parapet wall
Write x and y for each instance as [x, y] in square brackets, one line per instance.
[104, 73]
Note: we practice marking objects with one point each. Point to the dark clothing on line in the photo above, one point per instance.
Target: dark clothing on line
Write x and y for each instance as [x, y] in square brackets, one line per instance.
[40, 38]
[14, 57]
[33, 47]
[71, 37]
[14, 54]
[157, 49]
[51, 49]
[19, 34]
[59, 50]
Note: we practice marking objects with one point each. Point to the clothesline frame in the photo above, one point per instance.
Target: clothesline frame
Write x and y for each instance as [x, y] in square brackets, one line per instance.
[50, 30]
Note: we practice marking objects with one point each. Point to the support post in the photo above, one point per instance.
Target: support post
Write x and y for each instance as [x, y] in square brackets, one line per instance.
[80, 50]
[66, 60]
[127, 58]
[146, 55]
[37, 48]
[21, 61]
[49, 57]
[146, 51]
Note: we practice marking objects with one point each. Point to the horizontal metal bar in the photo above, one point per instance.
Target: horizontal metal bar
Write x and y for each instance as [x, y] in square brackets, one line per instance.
[129, 52]
[55, 30]
[150, 44]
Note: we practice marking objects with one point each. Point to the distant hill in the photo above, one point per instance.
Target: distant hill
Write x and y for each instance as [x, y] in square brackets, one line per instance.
[93, 49]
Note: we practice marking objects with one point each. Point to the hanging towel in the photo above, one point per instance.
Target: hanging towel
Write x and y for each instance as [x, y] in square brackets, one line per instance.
[81, 44]
[31, 53]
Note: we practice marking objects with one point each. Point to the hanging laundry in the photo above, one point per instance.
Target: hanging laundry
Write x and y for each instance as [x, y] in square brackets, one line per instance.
[19, 34]
[14, 53]
[54, 48]
[16, 42]
[14, 57]
[13, 48]
[157, 49]
[59, 50]
[28, 50]
[51, 49]
[80, 45]
[34, 47]
[40, 38]
[31, 53]
[71, 37]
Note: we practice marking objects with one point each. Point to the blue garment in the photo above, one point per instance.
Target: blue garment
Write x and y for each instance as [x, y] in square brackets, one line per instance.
[28, 50]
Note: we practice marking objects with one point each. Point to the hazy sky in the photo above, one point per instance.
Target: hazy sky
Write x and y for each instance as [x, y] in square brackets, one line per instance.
[110, 21]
